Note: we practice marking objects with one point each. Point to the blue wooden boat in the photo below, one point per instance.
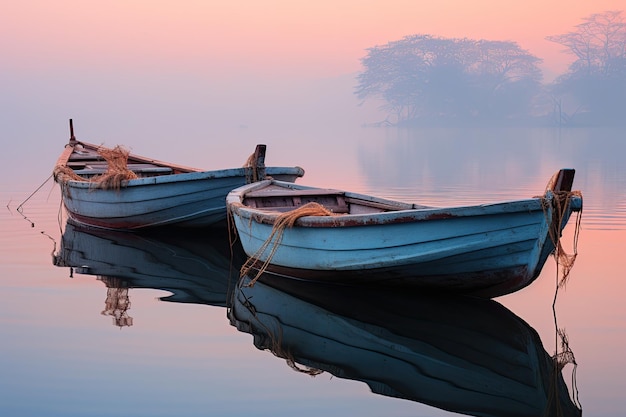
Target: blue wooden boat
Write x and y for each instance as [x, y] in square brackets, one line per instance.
[132, 192]
[323, 234]
[461, 354]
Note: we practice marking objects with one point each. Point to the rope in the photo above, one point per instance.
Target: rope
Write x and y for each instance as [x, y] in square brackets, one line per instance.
[274, 340]
[564, 264]
[283, 221]
[20, 208]
[251, 175]
[560, 207]
[117, 170]
[251, 172]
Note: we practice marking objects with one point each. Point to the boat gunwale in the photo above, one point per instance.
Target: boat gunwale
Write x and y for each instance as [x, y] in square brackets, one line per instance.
[191, 176]
[420, 213]
[187, 174]
[71, 147]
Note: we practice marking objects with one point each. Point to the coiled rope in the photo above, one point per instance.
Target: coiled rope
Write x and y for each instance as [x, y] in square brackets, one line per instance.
[283, 221]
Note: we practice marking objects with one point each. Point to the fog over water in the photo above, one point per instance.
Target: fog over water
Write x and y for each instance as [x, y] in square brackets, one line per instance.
[200, 85]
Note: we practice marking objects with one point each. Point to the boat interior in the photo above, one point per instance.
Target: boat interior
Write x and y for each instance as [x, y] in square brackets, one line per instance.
[282, 199]
[88, 163]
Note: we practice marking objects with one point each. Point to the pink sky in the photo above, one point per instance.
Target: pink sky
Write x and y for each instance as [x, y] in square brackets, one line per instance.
[319, 38]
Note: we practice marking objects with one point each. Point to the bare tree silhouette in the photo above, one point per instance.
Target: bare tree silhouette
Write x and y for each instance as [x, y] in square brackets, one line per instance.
[425, 79]
[594, 88]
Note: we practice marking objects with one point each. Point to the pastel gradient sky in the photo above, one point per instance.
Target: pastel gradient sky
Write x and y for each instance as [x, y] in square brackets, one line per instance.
[267, 38]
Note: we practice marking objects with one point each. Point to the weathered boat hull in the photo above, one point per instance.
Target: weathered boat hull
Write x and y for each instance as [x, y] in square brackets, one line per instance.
[195, 199]
[486, 250]
[114, 189]
[460, 354]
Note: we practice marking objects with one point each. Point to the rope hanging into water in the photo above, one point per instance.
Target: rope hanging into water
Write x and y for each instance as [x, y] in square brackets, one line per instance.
[564, 264]
[283, 221]
[558, 205]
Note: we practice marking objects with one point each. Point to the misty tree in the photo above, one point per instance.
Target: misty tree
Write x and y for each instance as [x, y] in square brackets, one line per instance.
[596, 80]
[421, 78]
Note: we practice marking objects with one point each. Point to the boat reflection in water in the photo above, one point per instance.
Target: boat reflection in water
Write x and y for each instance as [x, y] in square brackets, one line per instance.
[461, 354]
[466, 355]
[194, 267]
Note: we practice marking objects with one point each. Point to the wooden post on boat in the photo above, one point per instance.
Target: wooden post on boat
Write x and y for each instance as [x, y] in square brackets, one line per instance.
[561, 197]
[259, 162]
[72, 137]
[564, 180]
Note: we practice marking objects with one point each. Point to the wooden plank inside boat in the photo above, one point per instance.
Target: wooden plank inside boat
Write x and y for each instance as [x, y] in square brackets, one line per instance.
[281, 199]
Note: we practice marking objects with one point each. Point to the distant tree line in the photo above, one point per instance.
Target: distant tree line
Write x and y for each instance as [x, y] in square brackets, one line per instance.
[423, 79]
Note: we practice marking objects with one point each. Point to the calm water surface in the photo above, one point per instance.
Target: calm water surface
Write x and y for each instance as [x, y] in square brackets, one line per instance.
[102, 324]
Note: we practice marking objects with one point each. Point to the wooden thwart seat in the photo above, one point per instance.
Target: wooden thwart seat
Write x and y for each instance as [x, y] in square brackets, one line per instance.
[98, 168]
[282, 200]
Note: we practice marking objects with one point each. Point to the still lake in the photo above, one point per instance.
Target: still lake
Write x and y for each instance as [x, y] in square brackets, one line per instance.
[178, 351]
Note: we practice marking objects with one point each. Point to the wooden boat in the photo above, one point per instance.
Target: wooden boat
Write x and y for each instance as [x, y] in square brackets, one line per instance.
[195, 267]
[461, 354]
[486, 250]
[132, 192]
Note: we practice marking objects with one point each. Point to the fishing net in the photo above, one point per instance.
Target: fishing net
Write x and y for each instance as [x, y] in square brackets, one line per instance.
[562, 357]
[117, 170]
[62, 174]
[283, 221]
[117, 302]
[560, 208]
[564, 264]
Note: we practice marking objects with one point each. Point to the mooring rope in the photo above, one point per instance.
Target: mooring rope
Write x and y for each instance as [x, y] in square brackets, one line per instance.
[564, 263]
[565, 260]
[283, 221]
